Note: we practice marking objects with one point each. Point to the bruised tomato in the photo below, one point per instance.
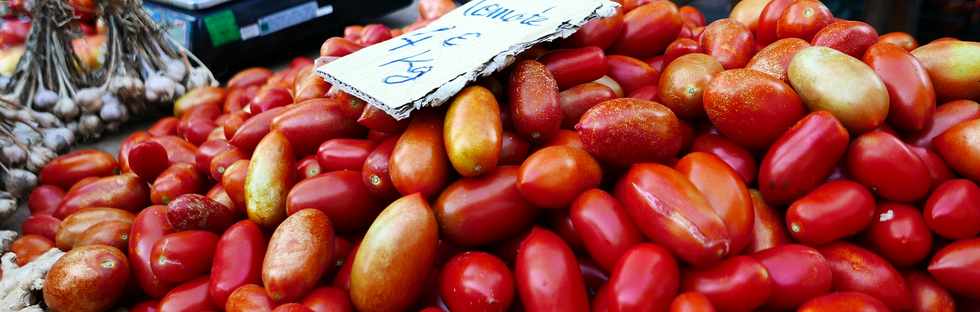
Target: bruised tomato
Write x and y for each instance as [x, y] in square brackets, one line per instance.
[751, 108]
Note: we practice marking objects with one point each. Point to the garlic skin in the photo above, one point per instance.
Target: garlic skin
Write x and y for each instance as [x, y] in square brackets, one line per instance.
[66, 109]
[19, 182]
[45, 99]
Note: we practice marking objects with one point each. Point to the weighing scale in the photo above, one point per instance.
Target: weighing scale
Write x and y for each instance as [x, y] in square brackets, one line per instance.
[229, 35]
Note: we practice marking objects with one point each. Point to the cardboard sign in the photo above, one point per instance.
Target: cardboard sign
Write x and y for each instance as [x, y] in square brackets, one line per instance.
[428, 66]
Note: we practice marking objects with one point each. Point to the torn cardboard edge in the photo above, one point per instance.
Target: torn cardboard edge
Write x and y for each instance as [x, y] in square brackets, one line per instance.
[446, 91]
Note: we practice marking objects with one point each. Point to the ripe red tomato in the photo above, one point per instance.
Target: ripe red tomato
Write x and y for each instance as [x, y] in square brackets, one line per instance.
[683, 82]
[802, 158]
[774, 59]
[547, 274]
[768, 230]
[832, 211]
[913, 99]
[182, 256]
[604, 226]
[732, 154]
[476, 281]
[648, 29]
[888, 167]
[646, 277]
[342, 195]
[860, 270]
[953, 209]
[554, 176]
[844, 301]
[927, 294]
[946, 116]
[737, 284]
[751, 108]
[899, 233]
[631, 73]
[611, 129]
[955, 267]
[851, 37]
[534, 103]
[237, 261]
[572, 67]
[803, 19]
[728, 41]
[725, 192]
[798, 274]
[601, 33]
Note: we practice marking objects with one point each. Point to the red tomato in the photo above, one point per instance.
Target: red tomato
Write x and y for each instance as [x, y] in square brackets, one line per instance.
[648, 29]
[476, 281]
[774, 59]
[960, 148]
[887, 166]
[248, 135]
[547, 274]
[433, 9]
[342, 195]
[124, 191]
[691, 16]
[328, 299]
[249, 77]
[375, 172]
[41, 225]
[182, 256]
[418, 162]
[901, 39]
[298, 253]
[768, 230]
[575, 66]
[946, 116]
[601, 33]
[292, 307]
[913, 99]
[751, 108]
[341, 154]
[691, 301]
[310, 123]
[803, 19]
[844, 301]
[927, 294]
[957, 267]
[127, 144]
[802, 158]
[937, 168]
[513, 149]
[953, 209]
[146, 306]
[631, 73]
[561, 222]
[67, 169]
[594, 276]
[189, 296]
[850, 37]
[376, 119]
[729, 42]
[645, 278]
[554, 176]
[738, 284]
[857, 269]
[205, 152]
[249, 298]
[768, 19]
[307, 168]
[832, 211]
[899, 233]
[611, 129]
[534, 102]
[45, 199]
[680, 47]
[482, 210]
[604, 226]
[798, 273]
[268, 98]
[576, 100]
[237, 260]
[732, 154]
[747, 13]
[671, 211]
[682, 84]
[178, 179]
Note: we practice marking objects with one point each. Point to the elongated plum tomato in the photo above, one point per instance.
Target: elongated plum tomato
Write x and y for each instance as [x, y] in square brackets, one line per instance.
[691, 16]
[728, 41]
[89, 278]
[802, 158]
[946, 116]
[181, 256]
[482, 210]
[680, 47]
[682, 84]
[67, 169]
[774, 59]
[249, 297]
[298, 253]
[395, 256]
[901, 39]
[554, 176]
[237, 260]
[572, 67]
[819, 73]
[534, 103]
[953, 209]
[576, 100]
[648, 29]
[844, 301]
[803, 19]
[601, 33]
[912, 97]
[547, 274]
[124, 191]
[850, 37]
[645, 277]
[149, 226]
[927, 294]
[604, 226]
[476, 281]
[899, 233]
[691, 301]
[888, 167]
[269, 178]
[832, 211]
[737, 284]
[955, 267]
[857, 269]
[954, 68]
[960, 148]
[765, 32]
[418, 162]
[611, 129]
[631, 73]
[751, 108]
[342, 195]
[798, 273]
[768, 230]
[473, 132]
[672, 212]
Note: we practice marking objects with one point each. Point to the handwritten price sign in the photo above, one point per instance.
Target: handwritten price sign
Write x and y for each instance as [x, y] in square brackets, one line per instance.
[428, 66]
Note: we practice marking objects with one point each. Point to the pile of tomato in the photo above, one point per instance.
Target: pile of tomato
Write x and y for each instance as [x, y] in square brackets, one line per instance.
[779, 159]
